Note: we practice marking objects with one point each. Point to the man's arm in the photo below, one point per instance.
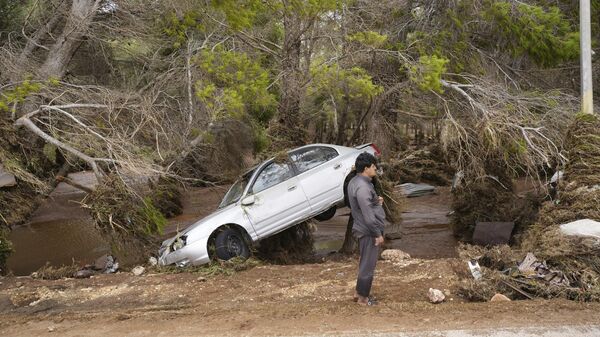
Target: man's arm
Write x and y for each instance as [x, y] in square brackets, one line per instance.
[362, 198]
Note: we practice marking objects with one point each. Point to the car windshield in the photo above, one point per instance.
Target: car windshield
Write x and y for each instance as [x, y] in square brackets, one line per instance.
[235, 191]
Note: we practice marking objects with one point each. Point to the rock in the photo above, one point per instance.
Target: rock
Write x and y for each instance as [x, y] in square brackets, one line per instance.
[18, 284]
[6, 179]
[436, 296]
[201, 279]
[152, 261]
[500, 298]
[51, 329]
[84, 273]
[394, 255]
[139, 270]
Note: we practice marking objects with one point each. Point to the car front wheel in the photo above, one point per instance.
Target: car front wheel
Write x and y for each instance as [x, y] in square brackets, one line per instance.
[229, 244]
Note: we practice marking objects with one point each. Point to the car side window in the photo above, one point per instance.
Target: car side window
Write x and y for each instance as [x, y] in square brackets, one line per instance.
[308, 158]
[271, 175]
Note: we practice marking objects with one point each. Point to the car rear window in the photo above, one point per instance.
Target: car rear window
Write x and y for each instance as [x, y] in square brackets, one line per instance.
[308, 158]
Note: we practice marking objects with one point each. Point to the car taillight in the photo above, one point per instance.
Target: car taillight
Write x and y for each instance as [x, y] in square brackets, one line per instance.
[376, 149]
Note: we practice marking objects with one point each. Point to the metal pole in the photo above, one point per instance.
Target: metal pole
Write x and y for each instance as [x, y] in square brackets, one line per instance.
[587, 103]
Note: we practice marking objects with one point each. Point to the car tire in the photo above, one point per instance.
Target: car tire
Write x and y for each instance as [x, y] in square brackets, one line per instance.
[229, 243]
[328, 214]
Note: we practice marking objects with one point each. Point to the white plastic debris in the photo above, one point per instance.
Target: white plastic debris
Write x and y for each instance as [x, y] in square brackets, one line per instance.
[584, 227]
[475, 269]
[556, 177]
[436, 296]
[152, 261]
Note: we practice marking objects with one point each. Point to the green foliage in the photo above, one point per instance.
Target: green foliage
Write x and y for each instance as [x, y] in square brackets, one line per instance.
[369, 38]
[234, 86]
[18, 94]
[261, 138]
[49, 151]
[239, 13]
[155, 221]
[335, 91]
[180, 28]
[427, 74]
[10, 12]
[545, 35]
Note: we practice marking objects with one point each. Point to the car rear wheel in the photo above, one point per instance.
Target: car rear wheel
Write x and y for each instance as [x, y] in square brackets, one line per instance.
[328, 214]
[229, 243]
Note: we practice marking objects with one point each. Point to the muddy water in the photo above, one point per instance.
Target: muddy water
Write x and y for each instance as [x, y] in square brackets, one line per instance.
[60, 231]
[58, 242]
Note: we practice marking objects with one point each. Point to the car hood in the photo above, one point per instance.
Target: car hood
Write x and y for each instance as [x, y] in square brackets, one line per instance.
[222, 216]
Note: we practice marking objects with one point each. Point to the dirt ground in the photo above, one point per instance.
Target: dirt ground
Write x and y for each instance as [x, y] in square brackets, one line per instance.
[308, 299]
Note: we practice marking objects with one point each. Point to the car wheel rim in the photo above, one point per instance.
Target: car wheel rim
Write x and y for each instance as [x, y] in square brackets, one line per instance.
[234, 245]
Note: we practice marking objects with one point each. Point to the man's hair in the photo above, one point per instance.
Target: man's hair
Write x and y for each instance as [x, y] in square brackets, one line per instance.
[363, 161]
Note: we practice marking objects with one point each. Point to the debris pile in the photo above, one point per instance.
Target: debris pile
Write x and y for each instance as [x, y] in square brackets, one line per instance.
[530, 276]
[293, 245]
[424, 165]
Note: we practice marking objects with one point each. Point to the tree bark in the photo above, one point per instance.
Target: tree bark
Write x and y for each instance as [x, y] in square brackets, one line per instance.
[348, 246]
[80, 18]
[291, 86]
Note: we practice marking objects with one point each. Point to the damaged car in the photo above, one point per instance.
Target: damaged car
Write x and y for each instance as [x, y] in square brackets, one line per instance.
[273, 196]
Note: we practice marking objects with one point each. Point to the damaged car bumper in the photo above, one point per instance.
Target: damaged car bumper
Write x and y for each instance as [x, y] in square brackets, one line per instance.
[183, 255]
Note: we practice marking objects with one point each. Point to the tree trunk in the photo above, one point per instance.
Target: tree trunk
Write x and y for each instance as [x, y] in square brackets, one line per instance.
[291, 86]
[80, 18]
[349, 242]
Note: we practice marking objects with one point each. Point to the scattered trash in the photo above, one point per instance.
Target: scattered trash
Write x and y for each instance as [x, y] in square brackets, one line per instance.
[436, 296]
[6, 179]
[499, 298]
[584, 227]
[492, 233]
[556, 177]
[526, 266]
[475, 269]
[84, 273]
[411, 190]
[107, 264]
[139, 270]
[152, 261]
[394, 255]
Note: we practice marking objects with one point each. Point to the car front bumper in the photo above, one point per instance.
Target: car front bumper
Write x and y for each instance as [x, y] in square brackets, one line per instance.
[193, 254]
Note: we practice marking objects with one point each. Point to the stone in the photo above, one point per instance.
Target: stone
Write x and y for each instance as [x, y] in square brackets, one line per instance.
[436, 296]
[394, 255]
[139, 270]
[201, 279]
[6, 179]
[500, 298]
[152, 261]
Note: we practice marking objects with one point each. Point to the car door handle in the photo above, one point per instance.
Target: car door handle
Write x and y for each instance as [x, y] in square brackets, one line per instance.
[337, 166]
[291, 188]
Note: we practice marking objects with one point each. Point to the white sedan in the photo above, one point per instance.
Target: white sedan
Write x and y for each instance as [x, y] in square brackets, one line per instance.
[271, 197]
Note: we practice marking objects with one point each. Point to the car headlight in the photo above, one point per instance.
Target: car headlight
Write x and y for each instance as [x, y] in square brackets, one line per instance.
[178, 243]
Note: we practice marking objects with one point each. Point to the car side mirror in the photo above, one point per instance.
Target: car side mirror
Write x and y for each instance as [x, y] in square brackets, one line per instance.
[249, 200]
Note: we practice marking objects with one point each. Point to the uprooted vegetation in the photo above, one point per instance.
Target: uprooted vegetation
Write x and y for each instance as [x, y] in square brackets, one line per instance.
[565, 266]
[293, 245]
[127, 214]
[423, 165]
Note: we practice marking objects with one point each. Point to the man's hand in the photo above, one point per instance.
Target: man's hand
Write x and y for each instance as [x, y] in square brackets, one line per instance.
[379, 240]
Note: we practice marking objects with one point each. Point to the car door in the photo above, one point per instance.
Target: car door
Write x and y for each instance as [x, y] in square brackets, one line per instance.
[321, 175]
[279, 200]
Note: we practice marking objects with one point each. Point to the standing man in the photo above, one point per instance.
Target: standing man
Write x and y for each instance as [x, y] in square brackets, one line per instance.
[369, 218]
